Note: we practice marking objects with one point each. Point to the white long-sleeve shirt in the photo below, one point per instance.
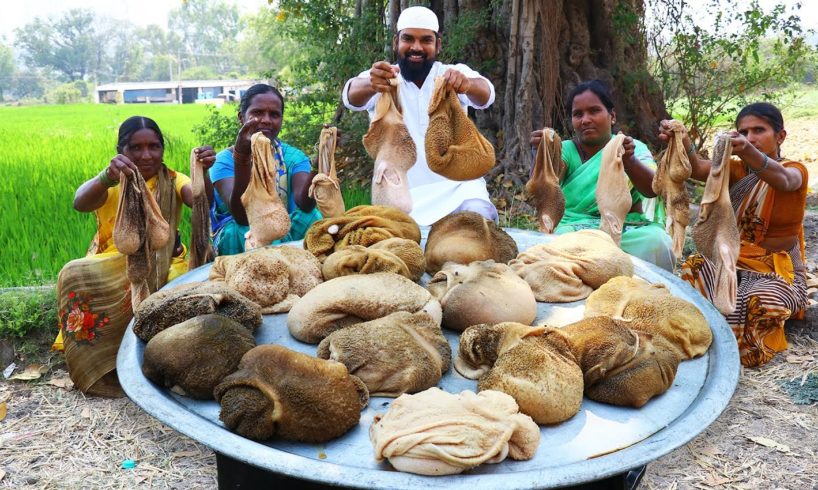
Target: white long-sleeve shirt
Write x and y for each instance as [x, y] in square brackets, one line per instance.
[433, 196]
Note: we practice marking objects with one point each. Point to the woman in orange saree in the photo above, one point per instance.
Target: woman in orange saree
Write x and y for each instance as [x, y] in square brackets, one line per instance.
[768, 194]
[93, 292]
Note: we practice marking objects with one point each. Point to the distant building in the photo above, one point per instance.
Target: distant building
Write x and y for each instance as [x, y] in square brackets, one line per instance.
[184, 92]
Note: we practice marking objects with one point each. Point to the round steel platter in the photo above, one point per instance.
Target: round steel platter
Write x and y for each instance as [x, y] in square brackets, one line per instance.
[600, 441]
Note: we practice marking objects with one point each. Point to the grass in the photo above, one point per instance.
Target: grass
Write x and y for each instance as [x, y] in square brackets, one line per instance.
[25, 311]
[355, 195]
[802, 102]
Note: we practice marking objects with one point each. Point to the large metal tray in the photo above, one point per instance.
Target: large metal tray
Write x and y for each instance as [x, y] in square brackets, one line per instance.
[600, 441]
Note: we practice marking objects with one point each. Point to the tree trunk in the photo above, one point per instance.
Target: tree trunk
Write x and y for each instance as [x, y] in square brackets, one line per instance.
[394, 11]
[535, 51]
[450, 10]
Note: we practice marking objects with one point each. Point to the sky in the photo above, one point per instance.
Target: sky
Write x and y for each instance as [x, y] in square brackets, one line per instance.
[16, 13]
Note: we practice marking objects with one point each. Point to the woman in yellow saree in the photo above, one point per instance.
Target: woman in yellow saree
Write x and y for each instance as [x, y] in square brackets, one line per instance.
[768, 193]
[94, 292]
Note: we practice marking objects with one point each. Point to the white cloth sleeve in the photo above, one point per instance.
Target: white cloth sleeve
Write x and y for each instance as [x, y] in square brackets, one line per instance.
[345, 95]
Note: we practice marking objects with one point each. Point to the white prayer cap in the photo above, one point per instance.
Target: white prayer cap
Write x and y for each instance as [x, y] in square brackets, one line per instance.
[418, 18]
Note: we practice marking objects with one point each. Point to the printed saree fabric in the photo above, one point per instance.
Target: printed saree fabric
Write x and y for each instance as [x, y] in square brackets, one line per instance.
[772, 284]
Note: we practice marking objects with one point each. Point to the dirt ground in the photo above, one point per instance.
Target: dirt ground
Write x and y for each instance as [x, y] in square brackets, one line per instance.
[51, 436]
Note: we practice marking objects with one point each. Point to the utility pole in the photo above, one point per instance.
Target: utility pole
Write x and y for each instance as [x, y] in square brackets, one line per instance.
[179, 78]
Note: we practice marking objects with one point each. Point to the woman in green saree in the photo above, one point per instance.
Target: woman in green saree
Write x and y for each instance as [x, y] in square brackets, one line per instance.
[593, 117]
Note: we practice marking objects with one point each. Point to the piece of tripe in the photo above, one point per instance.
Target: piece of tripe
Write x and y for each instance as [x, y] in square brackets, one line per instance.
[439, 433]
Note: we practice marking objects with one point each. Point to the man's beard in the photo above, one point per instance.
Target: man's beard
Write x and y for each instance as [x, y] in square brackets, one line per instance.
[415, 72]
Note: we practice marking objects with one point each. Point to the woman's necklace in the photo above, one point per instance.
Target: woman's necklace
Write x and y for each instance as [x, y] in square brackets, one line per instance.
[582, 155]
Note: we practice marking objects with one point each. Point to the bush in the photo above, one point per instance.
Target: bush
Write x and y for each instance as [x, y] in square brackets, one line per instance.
[64, 94]
[708, 73]
[219, 128]
[301, 128]
[23, 311]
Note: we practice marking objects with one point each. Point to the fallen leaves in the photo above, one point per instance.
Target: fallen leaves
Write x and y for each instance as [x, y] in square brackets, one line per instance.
[714, 480]
[711, 451]
[3, 412]
[766, 442]
[31, 372]
[61, 382]
[792, 359]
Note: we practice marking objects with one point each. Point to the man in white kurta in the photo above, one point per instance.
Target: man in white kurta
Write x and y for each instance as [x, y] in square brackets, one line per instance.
[417, 44]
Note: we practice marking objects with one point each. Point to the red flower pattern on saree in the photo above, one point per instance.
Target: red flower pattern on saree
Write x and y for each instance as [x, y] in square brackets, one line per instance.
[79, 321]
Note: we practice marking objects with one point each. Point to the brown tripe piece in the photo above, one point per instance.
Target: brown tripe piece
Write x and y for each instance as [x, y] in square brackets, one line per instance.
[283, 393]
[140, 229]
[399, 353]
[669, 183]
[621, 366]
[572, 265]
[535, 365]
[325, 187]
[438, 433]
[455, 148]
[137, 268]
[267, 216]
[361, 225]
[482, 292]
[273, 277]
[613, 195]
[201, 249]
[192, 357]
[158, 228]
[389, 143]
[129, 227]
[544, 184]
[398, 255]
[168, 307]
[716, 232]
[651, 308]
[465, 237]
